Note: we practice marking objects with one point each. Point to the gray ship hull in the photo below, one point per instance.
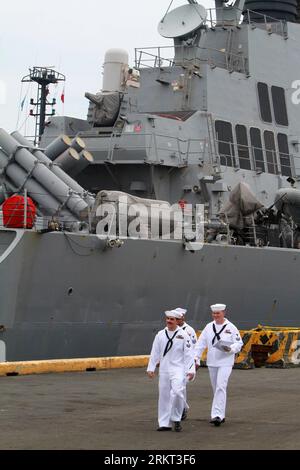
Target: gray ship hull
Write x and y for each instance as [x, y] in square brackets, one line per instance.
[68, 296]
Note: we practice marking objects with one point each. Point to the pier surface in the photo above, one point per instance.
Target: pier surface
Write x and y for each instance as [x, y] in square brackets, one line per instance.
[117, 410]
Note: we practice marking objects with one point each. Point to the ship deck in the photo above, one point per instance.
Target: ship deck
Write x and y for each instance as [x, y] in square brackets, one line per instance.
[117, 409]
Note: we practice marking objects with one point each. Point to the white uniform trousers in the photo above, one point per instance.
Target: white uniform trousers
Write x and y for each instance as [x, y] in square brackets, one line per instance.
[171, 400]
[186, 405]
[219, 377]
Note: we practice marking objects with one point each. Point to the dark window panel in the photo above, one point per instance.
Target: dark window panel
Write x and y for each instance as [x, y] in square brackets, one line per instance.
[264, 102]
[279, 104]
[243, 148]
[225, 142]
[257, 149]
[270, 152]
[284, 155]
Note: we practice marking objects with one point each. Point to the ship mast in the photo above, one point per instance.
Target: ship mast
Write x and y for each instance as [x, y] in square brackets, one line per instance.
[44, 77]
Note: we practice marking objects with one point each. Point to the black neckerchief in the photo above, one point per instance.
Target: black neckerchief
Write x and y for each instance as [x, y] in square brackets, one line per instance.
[170, 342]
[217, 333]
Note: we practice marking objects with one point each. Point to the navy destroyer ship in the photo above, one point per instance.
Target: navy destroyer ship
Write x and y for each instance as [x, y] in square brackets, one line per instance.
[211, 121]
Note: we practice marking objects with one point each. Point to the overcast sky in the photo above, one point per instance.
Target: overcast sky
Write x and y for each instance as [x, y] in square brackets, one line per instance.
[73, 36]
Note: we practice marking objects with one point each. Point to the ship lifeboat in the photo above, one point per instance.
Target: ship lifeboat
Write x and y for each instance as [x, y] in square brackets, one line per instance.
[14, 212]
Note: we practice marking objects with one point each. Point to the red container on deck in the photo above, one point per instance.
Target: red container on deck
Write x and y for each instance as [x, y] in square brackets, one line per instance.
[13, 212]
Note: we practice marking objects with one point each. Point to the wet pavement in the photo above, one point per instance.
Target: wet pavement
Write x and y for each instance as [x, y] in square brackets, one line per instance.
[117, 409]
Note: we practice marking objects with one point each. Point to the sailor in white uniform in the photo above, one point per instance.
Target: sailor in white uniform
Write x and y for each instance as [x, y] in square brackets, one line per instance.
[181, 322]
[223, 341]
[173, 351]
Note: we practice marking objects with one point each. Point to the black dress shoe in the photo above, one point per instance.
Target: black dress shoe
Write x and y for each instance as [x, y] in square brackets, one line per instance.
[216, 421]
[184, 414]
[177, 426]
[164, 428]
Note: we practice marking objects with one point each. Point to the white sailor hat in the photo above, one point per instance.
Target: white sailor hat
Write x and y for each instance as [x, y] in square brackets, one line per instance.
[181, 311]
[218, 307]
[173, 314]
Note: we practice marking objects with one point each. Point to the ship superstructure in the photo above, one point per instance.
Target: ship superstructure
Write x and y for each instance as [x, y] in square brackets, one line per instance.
[217, 109]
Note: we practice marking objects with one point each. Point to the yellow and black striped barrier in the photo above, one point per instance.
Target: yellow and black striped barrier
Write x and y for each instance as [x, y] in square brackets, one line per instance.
[273, 347]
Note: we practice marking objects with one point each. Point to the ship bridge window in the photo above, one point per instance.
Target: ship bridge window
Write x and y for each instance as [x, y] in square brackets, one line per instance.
[264, 102]
[271, 152]
[242, 146]
[284, 155]
[279, 104]
[257, 149]
[225, 142]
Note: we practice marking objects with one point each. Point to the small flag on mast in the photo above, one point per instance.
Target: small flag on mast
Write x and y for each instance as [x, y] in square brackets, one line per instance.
[63, 96]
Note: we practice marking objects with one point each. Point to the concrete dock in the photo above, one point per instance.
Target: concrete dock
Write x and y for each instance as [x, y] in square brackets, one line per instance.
[117, 410]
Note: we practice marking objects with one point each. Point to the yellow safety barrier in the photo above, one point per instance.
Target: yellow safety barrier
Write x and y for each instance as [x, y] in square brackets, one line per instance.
[71, 365]
[282, 347]
[244, 359]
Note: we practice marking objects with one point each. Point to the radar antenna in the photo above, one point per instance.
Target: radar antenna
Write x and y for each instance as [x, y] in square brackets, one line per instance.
[183, 21]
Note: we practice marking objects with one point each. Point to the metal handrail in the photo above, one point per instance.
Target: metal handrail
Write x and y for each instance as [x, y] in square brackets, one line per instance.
[154, 145]
[270, 24]
[184, 150]
[154, 57]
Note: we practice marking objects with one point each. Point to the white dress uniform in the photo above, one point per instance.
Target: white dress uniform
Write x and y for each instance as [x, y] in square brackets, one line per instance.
[173, 351]
[220, 363]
